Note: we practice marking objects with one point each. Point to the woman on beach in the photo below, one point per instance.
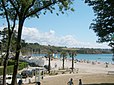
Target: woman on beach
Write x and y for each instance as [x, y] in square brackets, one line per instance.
[70, 82]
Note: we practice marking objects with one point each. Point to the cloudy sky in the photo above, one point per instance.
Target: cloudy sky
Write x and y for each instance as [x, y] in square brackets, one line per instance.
[70, 29]
[51, 38]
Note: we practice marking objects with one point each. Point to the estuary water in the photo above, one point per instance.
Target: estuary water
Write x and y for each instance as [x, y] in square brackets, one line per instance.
[90, 57]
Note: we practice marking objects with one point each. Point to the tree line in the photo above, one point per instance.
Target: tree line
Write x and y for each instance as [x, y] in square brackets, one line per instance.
[36, 48]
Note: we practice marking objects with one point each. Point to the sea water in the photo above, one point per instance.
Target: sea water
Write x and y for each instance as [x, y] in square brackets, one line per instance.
[88, 57]
[96, 57]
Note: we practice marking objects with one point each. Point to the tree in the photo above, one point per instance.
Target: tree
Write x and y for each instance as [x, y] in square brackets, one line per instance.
[11, 17]
[32, 8]
[49, 55]
[6, 45]
[103, 24]
[63, 55]
[4, 40]
[72, 54]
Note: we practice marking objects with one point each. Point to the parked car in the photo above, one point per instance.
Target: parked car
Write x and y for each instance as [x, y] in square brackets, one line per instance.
[8, 79]
[33, 71]
[26, 73]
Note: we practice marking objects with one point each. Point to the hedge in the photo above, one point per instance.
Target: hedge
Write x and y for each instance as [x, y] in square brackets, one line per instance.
[10, 68]
[22, 65]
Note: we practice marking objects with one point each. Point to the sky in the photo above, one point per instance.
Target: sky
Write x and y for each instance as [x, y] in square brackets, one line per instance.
[70, 29]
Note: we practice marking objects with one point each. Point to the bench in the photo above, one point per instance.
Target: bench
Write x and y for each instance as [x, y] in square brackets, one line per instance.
[110, 72]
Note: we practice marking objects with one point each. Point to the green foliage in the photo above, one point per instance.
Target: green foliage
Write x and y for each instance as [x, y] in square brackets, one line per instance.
[39, 49]
[0, 61]
[103, 24]
[10, 67]
[1, 70]
[22, 65]
[93, 51]
[36, 48]
[33, 8]
[10, 62]
[9, 70]
[72, 53]
[4, 40]
[63, 54]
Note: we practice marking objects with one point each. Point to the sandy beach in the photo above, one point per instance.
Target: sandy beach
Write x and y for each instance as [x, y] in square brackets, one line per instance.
[86, 79]
[89, 72]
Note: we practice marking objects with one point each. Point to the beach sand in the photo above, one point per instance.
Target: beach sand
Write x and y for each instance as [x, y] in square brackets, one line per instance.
[86, 79]
[90, 73]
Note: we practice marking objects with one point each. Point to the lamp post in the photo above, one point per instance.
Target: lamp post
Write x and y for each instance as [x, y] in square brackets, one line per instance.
[37, 75]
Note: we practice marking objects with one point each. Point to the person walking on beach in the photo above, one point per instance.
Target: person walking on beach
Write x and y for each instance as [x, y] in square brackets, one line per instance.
[70, 82]
[55, 65]
[20, 82]
[106, 64]
[80, 82]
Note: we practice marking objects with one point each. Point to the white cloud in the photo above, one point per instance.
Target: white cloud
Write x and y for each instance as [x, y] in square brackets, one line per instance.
[50, 38]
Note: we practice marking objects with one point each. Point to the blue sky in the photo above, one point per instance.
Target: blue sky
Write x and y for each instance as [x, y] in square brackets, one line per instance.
[73, 23]
[70, 29]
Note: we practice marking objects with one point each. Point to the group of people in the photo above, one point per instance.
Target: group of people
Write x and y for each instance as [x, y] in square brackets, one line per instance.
[71, 82]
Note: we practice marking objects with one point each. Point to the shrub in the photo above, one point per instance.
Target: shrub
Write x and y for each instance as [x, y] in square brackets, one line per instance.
[10, 68]
[22, 65]
[10, 62]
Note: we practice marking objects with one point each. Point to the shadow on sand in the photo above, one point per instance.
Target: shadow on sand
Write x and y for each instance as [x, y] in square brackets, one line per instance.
[101, 84]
